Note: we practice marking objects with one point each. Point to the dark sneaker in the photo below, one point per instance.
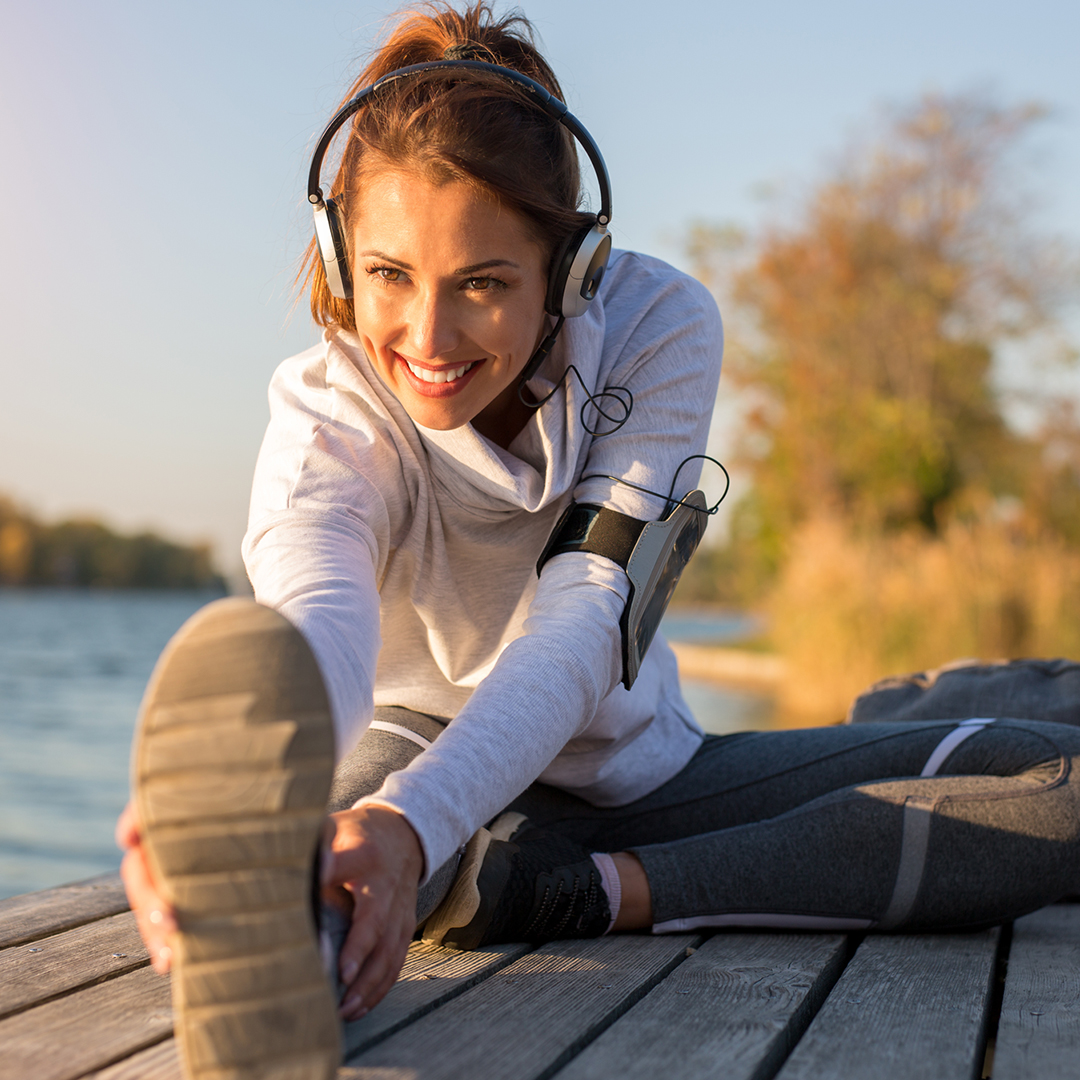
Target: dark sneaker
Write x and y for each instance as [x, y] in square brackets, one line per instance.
[233, 760]
[538, 887]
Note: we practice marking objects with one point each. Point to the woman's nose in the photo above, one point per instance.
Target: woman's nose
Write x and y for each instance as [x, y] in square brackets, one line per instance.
[432, 327]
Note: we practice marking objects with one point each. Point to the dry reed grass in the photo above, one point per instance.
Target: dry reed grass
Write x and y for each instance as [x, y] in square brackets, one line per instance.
[848, 611]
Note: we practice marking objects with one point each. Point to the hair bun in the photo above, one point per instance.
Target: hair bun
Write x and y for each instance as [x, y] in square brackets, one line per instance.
[466, 51]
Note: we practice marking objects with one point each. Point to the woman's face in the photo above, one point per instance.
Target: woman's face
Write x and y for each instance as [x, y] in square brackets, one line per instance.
[448, 292]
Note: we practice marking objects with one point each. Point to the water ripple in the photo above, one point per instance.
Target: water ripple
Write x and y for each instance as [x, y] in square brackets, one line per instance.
[73, 665]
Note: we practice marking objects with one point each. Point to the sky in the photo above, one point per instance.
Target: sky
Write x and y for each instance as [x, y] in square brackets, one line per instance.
[152, 211]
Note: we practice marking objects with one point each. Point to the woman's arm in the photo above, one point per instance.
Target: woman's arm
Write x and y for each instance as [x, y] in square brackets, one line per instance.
[317, 567]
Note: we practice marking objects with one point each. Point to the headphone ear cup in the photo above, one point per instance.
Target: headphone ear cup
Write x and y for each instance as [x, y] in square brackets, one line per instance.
[560, 271]
[578, 269]
[330, 238]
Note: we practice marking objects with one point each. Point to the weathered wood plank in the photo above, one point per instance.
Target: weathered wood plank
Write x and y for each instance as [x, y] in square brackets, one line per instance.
[530, 1017]
[1039, 1031]
[734, 1009]
[353, 1072]
[87, 1030]
[905, 1007]
[34, 915]
[430, 977]
[158, 1062]
[54, 965]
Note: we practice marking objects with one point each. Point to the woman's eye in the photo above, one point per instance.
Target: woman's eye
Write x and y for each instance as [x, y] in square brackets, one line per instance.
[484, 284]
[389, 274]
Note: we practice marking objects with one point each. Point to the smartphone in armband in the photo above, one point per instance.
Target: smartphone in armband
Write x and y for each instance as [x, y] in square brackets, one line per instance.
[652, 553]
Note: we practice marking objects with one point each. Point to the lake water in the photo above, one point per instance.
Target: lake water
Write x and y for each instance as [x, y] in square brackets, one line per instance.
[73, 666]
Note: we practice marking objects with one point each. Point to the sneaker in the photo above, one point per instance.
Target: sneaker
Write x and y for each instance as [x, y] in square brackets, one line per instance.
[537, 887]
[232, 765]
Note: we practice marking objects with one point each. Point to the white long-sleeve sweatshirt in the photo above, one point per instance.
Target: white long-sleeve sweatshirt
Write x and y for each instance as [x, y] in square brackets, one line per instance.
[407, 558]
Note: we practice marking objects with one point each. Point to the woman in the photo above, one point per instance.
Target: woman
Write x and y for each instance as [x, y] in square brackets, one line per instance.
[417, 462]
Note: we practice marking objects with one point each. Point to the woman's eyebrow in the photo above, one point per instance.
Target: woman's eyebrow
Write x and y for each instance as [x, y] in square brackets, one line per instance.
[386, 258]
[486, 266]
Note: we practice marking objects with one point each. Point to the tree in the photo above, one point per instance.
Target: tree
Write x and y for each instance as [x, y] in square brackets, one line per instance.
[872, 326]
[82, 553]
[894, 519]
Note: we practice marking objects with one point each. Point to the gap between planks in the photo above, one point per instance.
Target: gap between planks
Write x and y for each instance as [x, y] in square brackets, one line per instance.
[530, 1018]
[49, 967]
[909, 1007]
[36, 915]
[431, 977]
[741, 1001]
[1039, 1030]
[75, 1034]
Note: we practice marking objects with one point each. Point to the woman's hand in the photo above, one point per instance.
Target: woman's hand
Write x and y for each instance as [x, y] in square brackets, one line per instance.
[154, 917]
[378, 858]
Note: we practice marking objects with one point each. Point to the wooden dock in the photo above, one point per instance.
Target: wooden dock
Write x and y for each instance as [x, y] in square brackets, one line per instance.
[78, 1000]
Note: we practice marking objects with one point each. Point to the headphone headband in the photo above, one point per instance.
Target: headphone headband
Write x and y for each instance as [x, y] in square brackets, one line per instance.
[555, 108]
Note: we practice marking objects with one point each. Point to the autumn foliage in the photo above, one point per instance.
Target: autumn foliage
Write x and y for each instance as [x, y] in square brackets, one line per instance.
[881, 464]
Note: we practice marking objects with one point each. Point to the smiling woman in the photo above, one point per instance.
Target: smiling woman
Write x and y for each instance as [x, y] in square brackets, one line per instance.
[450, 328]
[447, 557]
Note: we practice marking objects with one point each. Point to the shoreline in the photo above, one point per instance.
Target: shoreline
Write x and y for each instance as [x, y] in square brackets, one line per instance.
[739, 668]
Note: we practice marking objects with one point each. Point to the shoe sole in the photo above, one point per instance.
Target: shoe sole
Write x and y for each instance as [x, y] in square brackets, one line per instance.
[233, 761]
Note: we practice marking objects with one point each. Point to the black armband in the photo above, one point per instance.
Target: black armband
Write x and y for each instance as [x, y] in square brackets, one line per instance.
[652, 553]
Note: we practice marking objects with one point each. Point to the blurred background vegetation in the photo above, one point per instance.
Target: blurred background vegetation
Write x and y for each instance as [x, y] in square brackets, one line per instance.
[891, 514]
[86, 553]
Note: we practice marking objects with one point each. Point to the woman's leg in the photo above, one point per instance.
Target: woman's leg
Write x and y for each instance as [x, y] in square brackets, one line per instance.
[911, 826]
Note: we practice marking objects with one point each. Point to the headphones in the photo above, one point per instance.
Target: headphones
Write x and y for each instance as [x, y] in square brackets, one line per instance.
[580, 262]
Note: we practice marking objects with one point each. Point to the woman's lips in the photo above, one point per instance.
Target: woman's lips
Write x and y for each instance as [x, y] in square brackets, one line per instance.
[439, 375]
[443, 381]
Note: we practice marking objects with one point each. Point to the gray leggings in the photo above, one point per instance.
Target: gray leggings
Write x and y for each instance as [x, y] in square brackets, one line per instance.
[913, 825]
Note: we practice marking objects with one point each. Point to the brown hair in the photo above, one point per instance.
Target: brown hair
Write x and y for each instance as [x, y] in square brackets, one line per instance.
[459, 125]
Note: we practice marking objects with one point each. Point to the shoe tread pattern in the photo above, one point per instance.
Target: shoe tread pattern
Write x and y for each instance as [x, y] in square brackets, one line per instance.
[233, 765]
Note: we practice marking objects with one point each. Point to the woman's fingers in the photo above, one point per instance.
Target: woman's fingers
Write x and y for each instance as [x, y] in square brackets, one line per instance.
[153, 916]
[377, 983]
[127, 828]
[373, 952]
[382, 964]
[377, 858]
